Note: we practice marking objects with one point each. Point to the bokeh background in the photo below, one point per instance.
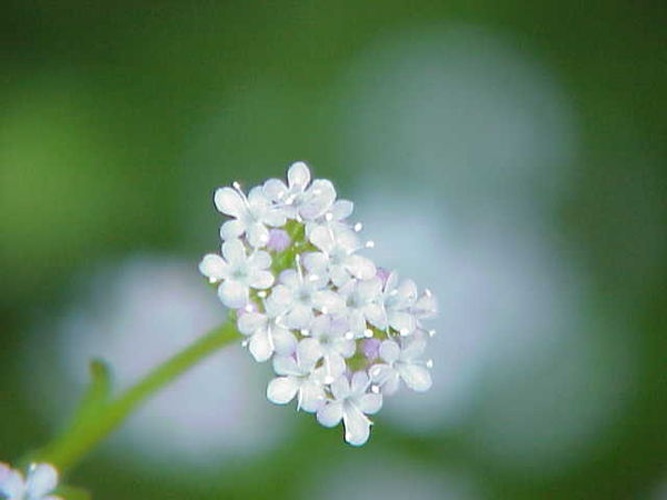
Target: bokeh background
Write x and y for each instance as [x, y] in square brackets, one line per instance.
[508, 155]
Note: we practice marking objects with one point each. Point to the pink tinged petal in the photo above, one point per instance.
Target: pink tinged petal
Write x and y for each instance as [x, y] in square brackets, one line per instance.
[361, 267]
[390, 351]
[357, 426]
[42, 479]
[360, 383]
[233, 294]
[213, 267]
[370, 403]
[416, 377]
[282, 390]
[261, 280]
[258, 235]
[229, 202]
[231, 229]
[260, 347]
[234, 252]
[279, 240]
[251, 323]
[275, 189]
[342, 209]
[330, 414]
[298, 176]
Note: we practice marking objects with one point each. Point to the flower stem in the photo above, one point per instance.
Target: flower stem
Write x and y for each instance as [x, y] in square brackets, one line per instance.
[93, 425]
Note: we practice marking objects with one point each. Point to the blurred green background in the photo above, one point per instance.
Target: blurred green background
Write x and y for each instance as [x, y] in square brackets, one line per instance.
[532, 132]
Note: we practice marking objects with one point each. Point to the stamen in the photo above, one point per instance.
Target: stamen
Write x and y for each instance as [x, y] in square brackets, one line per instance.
[261, 294]
[357, 227]
[429, 363]
[370, 244]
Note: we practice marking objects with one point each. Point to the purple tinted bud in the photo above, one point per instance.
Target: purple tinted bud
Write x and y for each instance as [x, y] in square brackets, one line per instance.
[279, 240]
[371, 348]
[383, 274]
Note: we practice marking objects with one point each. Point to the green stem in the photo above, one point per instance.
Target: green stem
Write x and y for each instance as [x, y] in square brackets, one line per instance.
[87, 432]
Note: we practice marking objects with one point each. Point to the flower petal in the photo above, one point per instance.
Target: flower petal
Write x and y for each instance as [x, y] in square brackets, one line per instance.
[357, 427]
[275, 189]
[298, 176]
[213, 267]
[250, 323]
[416, 377]
[311, 396]
[360, 267]
[260, 347]
[233, 294]
[42, 479]
[231, 229]
[233, 251]
[370, 403]
[390, 351]
[282, 390]
[330, 414]
[261, 280]
[229, 202]
[258, 235]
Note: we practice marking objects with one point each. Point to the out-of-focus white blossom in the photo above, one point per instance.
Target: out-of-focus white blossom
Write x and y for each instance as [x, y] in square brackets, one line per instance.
[41, 480]
[342, 332]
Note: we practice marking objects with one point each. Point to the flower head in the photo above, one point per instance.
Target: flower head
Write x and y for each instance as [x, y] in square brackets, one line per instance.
[341, 331]
[40, 481]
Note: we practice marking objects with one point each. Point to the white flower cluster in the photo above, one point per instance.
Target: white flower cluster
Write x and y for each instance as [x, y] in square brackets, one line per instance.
[342, 333]
[41, 480]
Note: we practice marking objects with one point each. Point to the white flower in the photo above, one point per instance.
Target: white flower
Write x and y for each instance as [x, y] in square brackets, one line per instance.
[337, 257]
[252, 214]
[266, 333]
[330, 338]
[398, 299]
[299, 294]
[237, 272]
[362, 299]
[332, 311]
[334, 218]
[298, 200]
[426, 306]
[299, 377]
[351, 403]
[402, 364]
[42, 479]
